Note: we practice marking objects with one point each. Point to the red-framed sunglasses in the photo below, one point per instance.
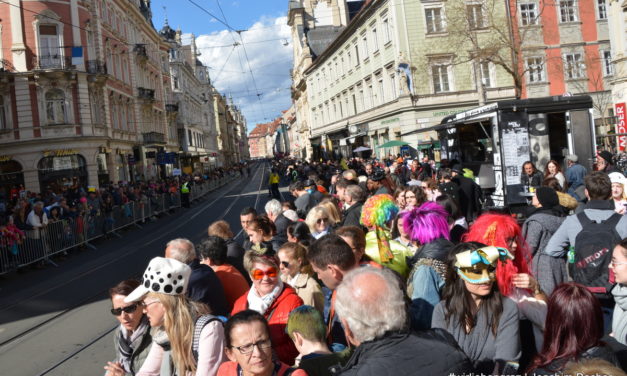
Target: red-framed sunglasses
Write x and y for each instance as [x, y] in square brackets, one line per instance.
[259, 274]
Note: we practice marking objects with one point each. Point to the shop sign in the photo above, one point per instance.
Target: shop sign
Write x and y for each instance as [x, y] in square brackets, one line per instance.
[5, 158]
[176, 172]
[621, 127]
[390, 121]
[59, 152]
[62, 163]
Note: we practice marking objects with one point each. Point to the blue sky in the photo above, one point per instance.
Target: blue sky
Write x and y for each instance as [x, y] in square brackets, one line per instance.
[266, 50]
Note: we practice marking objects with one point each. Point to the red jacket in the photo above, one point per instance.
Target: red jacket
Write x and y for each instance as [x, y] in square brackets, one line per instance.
[277, 315]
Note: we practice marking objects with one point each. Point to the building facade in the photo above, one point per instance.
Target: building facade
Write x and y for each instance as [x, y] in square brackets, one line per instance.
[617, 23]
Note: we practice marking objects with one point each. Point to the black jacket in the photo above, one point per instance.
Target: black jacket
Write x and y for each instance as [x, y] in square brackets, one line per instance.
[235, 257]
[469, 195]
[430, 352]
[352, 215]
[205, 287]
[281, 223]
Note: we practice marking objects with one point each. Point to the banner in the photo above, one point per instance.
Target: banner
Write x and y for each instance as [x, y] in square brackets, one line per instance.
[621, 128]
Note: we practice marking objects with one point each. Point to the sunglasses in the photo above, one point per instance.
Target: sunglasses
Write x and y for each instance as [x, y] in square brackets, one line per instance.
[259, 274]
[321, 220]
[129, 309]
[285, 264]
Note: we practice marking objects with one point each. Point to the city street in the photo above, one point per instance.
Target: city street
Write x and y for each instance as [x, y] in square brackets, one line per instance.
[56, 321]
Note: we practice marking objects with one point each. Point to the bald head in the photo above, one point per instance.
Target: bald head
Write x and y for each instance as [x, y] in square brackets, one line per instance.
[371, 302]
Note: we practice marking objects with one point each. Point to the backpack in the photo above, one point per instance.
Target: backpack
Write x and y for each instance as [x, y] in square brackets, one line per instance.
[588, 262]
[201, 322]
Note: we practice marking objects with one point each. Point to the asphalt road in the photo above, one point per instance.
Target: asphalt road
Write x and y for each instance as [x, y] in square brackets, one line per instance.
[56, 321]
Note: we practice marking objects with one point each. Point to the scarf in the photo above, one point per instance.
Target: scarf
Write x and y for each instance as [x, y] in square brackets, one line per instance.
[262, 303]
[619, 319]
[160, 337]
[383, 243]
[126, 345]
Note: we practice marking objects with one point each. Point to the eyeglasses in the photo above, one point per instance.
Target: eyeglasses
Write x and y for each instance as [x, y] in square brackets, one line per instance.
[247, 349]
[614, 263]
[128, 309]
[258, 274]
[285, 264]
[321, 220]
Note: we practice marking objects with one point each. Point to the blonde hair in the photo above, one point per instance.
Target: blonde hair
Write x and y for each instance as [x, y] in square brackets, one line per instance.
[179, 324]
[220, 229]
[332, 209]
[593, 367]
[314, 214]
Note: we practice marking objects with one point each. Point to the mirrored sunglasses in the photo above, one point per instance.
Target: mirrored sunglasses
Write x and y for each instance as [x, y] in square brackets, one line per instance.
[258, 274]
[127, 309]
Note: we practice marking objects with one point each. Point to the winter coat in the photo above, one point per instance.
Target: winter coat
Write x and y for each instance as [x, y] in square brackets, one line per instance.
[205, 287]
[232, 369]
[426, 281]
[235, 256]
[308, 289]
[401, 353]
[619, 318]
[538, 230]
[469, 196]
[352, 215]
[277, 315]
[281, 223]
[400, 252]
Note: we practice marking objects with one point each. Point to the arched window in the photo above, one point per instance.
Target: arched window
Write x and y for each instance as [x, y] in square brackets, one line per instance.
[55, 107]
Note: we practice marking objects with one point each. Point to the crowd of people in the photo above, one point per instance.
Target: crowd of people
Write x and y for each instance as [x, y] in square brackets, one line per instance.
[389, 267]
[25, 215]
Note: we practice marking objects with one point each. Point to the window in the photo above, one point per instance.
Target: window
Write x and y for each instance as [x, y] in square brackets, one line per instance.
[568, 11]
[608, 68]
[601, 7]
[364, 45]
[393, 85]
[55, 107]
[484, 70]
[475, 16]
[49, 47]
[381, 91]
[574, 66]
[3, 115]
[535, 69]
[440, 76]
[375, 40]
[356, 53]
[435, 21]
[528, 14]
[386, 30]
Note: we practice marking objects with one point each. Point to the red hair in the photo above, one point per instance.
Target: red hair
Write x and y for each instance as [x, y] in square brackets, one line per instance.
[574, 323]
[498, 230]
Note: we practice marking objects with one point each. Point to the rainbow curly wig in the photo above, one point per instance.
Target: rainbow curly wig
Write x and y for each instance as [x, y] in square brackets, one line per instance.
[378, 211]
[426, 223]
[500, 230]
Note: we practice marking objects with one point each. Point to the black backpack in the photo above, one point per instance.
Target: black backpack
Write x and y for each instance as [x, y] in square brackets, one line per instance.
[593, 251]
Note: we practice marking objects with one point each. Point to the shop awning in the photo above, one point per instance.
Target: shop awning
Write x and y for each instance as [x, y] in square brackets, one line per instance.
[393, 143]
[428, 145]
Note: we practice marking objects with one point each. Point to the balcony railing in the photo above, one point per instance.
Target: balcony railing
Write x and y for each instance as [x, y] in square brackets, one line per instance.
[53, 62]
[96, 67]
[140, 50]
[146, 94]
[6, 66]
[154, 138]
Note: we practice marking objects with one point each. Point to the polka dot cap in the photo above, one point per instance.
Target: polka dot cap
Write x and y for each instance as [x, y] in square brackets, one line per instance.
[163, 275]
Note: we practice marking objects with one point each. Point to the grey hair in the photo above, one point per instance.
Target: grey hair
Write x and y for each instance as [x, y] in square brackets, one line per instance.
[355, 192]
[370, 316]
[273, 207]
[182, 250]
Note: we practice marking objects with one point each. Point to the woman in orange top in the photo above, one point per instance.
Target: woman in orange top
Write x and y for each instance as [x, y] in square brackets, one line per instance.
[213, 253]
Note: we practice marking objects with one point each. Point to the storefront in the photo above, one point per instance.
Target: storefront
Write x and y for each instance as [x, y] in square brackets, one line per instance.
[11, 175]
[61, 168]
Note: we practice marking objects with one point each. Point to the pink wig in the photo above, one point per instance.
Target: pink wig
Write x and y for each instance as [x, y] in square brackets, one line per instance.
[499, 230]
[426, 223]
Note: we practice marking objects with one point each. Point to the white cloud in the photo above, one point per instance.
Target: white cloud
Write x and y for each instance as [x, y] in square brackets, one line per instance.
[270, 61]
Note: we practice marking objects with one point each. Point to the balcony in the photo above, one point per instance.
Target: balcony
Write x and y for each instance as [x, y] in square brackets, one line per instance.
[140, 50]
[154, 138]
[147, 95]
[52, 62]
[6, 66]
[96, 67]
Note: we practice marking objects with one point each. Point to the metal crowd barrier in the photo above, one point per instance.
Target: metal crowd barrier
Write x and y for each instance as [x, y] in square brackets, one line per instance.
[38, 245]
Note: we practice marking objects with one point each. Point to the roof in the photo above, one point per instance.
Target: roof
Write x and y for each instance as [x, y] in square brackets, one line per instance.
[354, 7]
[321, 37]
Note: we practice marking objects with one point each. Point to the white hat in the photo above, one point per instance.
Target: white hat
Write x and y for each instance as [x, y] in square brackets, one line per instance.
[291, 215]
[163, 275]
[617, 177]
